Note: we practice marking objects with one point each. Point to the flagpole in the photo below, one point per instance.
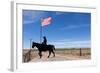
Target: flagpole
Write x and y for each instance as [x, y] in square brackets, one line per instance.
[41, 32]
[44, 22]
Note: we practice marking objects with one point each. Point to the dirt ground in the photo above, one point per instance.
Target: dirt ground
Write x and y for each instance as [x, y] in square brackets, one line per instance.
[60, 55]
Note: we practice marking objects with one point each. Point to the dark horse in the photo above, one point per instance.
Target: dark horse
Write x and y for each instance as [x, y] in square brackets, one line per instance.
[43, 47]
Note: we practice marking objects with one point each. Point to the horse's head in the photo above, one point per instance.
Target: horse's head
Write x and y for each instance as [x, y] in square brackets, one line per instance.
[34, 44]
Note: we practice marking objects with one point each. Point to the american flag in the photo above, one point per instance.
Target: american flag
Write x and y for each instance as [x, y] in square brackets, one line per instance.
[46, 21]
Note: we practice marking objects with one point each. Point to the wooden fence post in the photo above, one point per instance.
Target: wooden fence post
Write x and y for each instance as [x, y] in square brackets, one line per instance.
[80, 52]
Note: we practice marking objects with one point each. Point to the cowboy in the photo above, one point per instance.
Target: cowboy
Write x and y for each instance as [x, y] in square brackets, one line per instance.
[44, 41]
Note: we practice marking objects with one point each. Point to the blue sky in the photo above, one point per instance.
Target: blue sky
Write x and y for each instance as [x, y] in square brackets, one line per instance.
[67, 30]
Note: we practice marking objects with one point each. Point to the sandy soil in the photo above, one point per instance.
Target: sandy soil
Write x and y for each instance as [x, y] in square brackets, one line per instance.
[59, 56]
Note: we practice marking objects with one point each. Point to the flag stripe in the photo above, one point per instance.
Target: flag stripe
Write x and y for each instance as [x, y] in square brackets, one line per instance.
[46, 21]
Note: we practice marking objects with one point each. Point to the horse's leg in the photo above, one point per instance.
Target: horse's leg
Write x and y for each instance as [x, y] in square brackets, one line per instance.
[53, 53]
[49, 54]
[40, 54]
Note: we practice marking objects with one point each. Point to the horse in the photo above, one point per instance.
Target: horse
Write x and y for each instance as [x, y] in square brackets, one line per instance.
[43, 47]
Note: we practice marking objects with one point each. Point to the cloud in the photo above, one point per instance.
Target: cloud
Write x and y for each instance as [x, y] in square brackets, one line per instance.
[28, 22]
[74, 26]
[72, 44]
[31, 16]
[59, 13]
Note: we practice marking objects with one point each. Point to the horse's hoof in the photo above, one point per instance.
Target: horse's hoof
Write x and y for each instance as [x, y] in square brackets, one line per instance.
[48, 56]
